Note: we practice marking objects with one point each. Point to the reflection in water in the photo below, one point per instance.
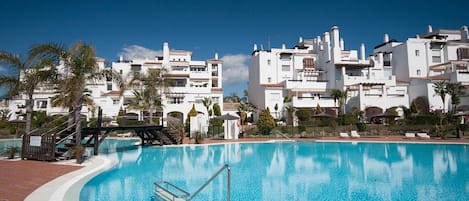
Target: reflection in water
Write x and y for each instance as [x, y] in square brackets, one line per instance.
[292, 171]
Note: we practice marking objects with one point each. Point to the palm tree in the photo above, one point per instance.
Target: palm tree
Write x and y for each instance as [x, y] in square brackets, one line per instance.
[440, 89]
[455, 90]
[244, 109]
[79, 67]
[340, 96]
[28, 75]
[232, 98]
[207, 101]
[139, 101]
[154, 84]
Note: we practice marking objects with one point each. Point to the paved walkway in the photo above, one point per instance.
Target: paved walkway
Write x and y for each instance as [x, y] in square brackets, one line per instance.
[20, 178]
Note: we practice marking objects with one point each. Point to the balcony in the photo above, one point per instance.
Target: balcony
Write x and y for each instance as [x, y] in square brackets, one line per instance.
[200, 75]
[353, 80]
[306, 85]
[312, 102]
[460, 76]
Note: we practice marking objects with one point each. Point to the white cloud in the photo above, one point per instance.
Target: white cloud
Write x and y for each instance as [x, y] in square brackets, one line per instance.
[235, 69]
[139, 52]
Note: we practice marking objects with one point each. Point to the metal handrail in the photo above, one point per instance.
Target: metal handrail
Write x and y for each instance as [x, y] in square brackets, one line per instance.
[30, 132]
[158, 184]
[63, 139]
[285, 136]
[52, 129]
[226, 166]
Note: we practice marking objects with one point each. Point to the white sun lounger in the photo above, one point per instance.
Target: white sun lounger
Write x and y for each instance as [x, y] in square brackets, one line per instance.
[410, 135]
[344, 135]
[423, 135]
[354, 133]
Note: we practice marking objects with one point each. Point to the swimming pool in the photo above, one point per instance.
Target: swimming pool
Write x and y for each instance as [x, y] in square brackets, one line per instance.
[109, 145]
[291, 171]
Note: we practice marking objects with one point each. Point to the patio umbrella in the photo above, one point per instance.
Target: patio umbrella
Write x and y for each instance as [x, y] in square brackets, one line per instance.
[231, 128]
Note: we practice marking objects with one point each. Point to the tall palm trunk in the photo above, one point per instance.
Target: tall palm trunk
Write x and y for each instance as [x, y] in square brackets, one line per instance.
[29, 113]
[78, 121]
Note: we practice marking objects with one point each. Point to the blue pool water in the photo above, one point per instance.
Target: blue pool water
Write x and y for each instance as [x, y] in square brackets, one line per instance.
[109, 145]
[291, 171]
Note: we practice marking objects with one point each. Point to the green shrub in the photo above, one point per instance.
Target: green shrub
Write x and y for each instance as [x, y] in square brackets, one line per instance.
[266, 122]
[301, 128]
[11, 151]
[349, 119]
[361, 126]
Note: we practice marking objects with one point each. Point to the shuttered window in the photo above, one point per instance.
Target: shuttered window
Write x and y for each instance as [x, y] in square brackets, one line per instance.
[463, 53]
[308, 63]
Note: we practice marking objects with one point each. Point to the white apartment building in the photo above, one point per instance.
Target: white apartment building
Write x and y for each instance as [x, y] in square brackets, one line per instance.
[191, 82]
[307, 73]
[437, 55]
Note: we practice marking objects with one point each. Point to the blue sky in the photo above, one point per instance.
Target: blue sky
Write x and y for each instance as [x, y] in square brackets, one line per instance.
[227, 27]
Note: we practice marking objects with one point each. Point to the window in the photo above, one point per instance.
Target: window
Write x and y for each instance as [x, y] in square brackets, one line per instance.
[269, 79]
[115, 101]
[285, 56]
[463, 53]
[417, 53]
[436, 57]
[42, 104]
[308, 63]
[285, 67]
[176, 100]
[215, 99]
[109, 86]
[268, 62]
[121, 72]
[418, 72]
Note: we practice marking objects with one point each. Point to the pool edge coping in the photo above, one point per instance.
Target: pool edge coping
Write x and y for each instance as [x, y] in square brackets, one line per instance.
[68, 186]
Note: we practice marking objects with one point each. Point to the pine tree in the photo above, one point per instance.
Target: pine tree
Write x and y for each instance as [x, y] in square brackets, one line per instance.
[266, 122]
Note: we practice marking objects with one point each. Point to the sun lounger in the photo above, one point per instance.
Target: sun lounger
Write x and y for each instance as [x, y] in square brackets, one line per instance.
[343, 135]
[354, 134]
[409, 135]
[423, 135]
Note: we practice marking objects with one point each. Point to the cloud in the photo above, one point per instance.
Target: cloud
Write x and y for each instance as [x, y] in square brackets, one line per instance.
[139, 52]
[235, 69]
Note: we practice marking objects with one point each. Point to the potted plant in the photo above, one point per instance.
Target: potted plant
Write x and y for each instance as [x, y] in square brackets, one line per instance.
[78, 152]
[11, 151]
[198, 137]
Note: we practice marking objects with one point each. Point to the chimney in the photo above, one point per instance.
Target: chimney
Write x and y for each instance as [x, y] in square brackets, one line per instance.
[327, 38]
[121, 58]
[335, 37]
[300, 40]
[386, 38]
[429, 29]
[464, 34]
[216, 56]
[255, 47]
[362, 52]
[165, 53]
[342, 44]
[283, 46]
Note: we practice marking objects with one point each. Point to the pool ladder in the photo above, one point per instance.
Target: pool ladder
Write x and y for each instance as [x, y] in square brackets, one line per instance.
[170, 192]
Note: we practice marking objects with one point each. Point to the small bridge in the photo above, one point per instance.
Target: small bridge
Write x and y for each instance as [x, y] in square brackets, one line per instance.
[56, 140]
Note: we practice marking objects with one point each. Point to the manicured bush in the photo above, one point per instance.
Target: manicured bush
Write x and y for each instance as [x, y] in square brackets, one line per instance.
[361, 126]
[266, 122]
